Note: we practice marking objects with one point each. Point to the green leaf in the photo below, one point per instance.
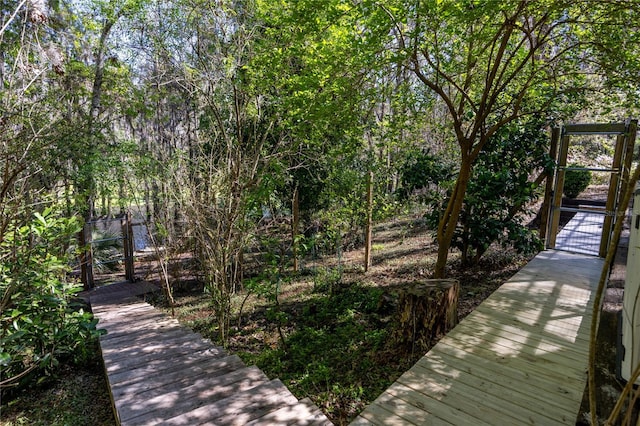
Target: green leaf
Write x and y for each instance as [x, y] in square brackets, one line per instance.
[40, 219]
[5, 359]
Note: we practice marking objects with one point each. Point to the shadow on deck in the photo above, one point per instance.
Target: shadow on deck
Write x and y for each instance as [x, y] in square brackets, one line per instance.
[160, 372]
[519, 358]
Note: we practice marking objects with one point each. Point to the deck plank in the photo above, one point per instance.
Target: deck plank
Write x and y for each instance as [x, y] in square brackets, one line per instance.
[527, 344]
[176, 340]
[160, 379]
[519, 358]
[160, 372]
[142, 339]
[140, 372]
[305, 413]
[430, 399]
[153, 407]
[491, 385]
[489, 400]
[506, 375]
[240, 408]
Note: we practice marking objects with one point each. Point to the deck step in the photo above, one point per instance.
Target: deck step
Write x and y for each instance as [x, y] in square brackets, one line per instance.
[160, 358]
[160, 372]
[144, 339]
[175, 341]
[305, 413]
[154, 406]
[241, 408]
[161, 377]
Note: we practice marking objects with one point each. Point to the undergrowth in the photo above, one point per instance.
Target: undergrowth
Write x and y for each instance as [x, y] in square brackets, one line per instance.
[76, 395]
[335, 349]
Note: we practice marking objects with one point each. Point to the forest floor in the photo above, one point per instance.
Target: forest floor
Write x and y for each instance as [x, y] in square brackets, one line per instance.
[328, 335]
[77, 395]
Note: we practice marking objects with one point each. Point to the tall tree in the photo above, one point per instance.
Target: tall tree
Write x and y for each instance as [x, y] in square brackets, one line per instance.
[99, 19]
[37, 324]
[214, 131]
[489, 62]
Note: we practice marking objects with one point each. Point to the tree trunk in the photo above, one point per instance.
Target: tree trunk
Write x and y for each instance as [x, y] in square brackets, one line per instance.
[87, 185]
[426, 309]
[295, 227]
[449, 220]
[86, 257]
[369, 231]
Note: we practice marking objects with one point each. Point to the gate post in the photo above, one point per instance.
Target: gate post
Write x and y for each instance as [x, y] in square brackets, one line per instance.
[86, 257]
[127, 246]
[545, 210]
[561, 163]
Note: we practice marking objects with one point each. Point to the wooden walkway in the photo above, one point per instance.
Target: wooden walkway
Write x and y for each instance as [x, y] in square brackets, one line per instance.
[519, 358]
[159, 372]
[582, 234]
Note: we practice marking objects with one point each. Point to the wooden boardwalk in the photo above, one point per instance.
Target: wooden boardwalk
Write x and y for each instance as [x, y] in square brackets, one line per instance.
[160, 372]
[519, 358]
[582, 234]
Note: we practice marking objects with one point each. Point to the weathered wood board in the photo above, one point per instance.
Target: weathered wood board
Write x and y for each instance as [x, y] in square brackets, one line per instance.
[519, 358]
[160, 372]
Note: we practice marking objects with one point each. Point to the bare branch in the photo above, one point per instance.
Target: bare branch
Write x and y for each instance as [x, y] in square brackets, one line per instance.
[12, 17]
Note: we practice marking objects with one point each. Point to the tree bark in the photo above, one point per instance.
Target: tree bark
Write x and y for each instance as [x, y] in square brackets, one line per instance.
[449, 220]
[426, 309]
[369, 231]
[295, 227]
[88, 184]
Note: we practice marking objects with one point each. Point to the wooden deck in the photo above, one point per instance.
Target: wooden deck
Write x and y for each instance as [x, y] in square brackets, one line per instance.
[160, 372]
[582, 234]
[519, 358]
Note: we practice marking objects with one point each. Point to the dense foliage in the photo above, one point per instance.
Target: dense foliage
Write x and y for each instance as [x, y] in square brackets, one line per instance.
[40, 323]
[499, 190]
[421, 171]
[202, 116]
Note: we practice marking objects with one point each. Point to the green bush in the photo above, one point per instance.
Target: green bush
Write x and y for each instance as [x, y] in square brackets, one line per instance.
[326, 280]
[421, 170]
[499, 192]
[39, 324]
[576, 181]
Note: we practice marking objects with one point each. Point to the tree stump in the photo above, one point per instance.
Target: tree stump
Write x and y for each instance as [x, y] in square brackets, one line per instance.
[426, 309]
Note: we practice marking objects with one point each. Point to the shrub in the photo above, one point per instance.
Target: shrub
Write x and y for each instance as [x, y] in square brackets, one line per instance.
[499, 192]
[39, 324]
[576, 180]
[420, 171]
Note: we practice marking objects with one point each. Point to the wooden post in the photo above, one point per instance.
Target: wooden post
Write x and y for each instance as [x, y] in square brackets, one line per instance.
[127, 246]
[426, 309]
[295, 225]
[548, 190]
[86, 257]
[612, 195]
[557, 194]
[369, 230]
[83, 260]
